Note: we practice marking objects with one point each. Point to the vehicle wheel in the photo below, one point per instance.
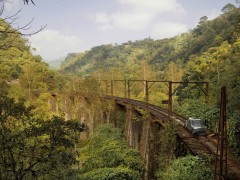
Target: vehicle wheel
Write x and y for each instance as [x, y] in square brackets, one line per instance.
[193, 133]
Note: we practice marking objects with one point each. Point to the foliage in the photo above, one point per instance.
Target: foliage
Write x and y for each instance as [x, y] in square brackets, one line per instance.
[167, 145]
[33, 148]
[107, 150]
[107, 173]
[18, 64]
[33, 145]
[220, 66]
[188, 167]
[196, 108]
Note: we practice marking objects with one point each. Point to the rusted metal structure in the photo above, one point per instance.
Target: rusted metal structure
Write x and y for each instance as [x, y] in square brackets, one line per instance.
[149, 83]
[197, 145]
[221, 169]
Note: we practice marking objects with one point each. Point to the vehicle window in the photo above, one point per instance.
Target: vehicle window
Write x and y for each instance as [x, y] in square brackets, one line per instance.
[196, 123]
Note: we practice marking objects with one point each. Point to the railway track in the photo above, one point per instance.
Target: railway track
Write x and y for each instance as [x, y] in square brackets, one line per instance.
[197, 144]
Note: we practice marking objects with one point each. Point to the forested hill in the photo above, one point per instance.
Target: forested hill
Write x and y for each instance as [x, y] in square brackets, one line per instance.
[180, 49]
[209, 52]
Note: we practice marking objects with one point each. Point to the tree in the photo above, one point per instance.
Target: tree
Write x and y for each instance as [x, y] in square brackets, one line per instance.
[228, 7]
[174, 72]
[167, 145]
[188, 167]
[36, 76]
[118, 173]
[33, 148]
[197, 108]
[203, 19]
[231, 79]
[107, 156]
[43, 149]
[209, 66]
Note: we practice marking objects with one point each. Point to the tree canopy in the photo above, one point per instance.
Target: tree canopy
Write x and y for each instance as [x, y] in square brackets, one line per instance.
[107, 156]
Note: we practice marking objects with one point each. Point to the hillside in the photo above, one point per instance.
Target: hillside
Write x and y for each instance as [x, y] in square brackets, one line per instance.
[209, 52]
[55, 64]
[158, 53]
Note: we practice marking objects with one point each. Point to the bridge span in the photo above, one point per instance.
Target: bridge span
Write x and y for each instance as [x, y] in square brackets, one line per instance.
[140, 135]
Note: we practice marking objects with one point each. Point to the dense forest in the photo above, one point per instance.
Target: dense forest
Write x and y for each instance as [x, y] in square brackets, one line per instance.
[54, 126]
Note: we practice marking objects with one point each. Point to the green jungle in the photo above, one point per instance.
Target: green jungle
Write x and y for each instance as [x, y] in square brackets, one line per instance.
[49, 130]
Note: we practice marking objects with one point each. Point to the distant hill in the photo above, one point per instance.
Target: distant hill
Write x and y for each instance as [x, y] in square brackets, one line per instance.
[55, 64]
[158, 53]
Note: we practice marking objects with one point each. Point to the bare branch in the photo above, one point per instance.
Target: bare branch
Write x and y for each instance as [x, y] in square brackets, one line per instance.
[10, 20]
[12, 16]
[27, 1]
[16, 31]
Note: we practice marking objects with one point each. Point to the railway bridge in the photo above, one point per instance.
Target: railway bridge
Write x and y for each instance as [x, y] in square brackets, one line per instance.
[143, 122]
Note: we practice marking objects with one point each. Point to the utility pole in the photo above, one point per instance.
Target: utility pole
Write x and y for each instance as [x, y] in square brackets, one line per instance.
[112, 90]
[146, 92]
[170, 96]
[125, 88]
[221, 154]
[128, 89]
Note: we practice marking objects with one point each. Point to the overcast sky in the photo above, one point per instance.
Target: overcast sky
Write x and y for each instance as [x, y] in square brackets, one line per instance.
[79, 25]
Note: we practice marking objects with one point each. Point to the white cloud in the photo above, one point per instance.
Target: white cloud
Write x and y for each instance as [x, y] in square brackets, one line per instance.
[105, 27]
[131, 21]
[102, 17]
[154, 5]
[167, 30]
[52, 44]
[137, 14]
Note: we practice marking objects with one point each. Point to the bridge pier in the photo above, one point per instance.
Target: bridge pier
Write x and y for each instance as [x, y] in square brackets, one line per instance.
[143, 135]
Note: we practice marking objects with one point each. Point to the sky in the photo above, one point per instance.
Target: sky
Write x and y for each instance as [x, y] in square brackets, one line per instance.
[78, 25]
